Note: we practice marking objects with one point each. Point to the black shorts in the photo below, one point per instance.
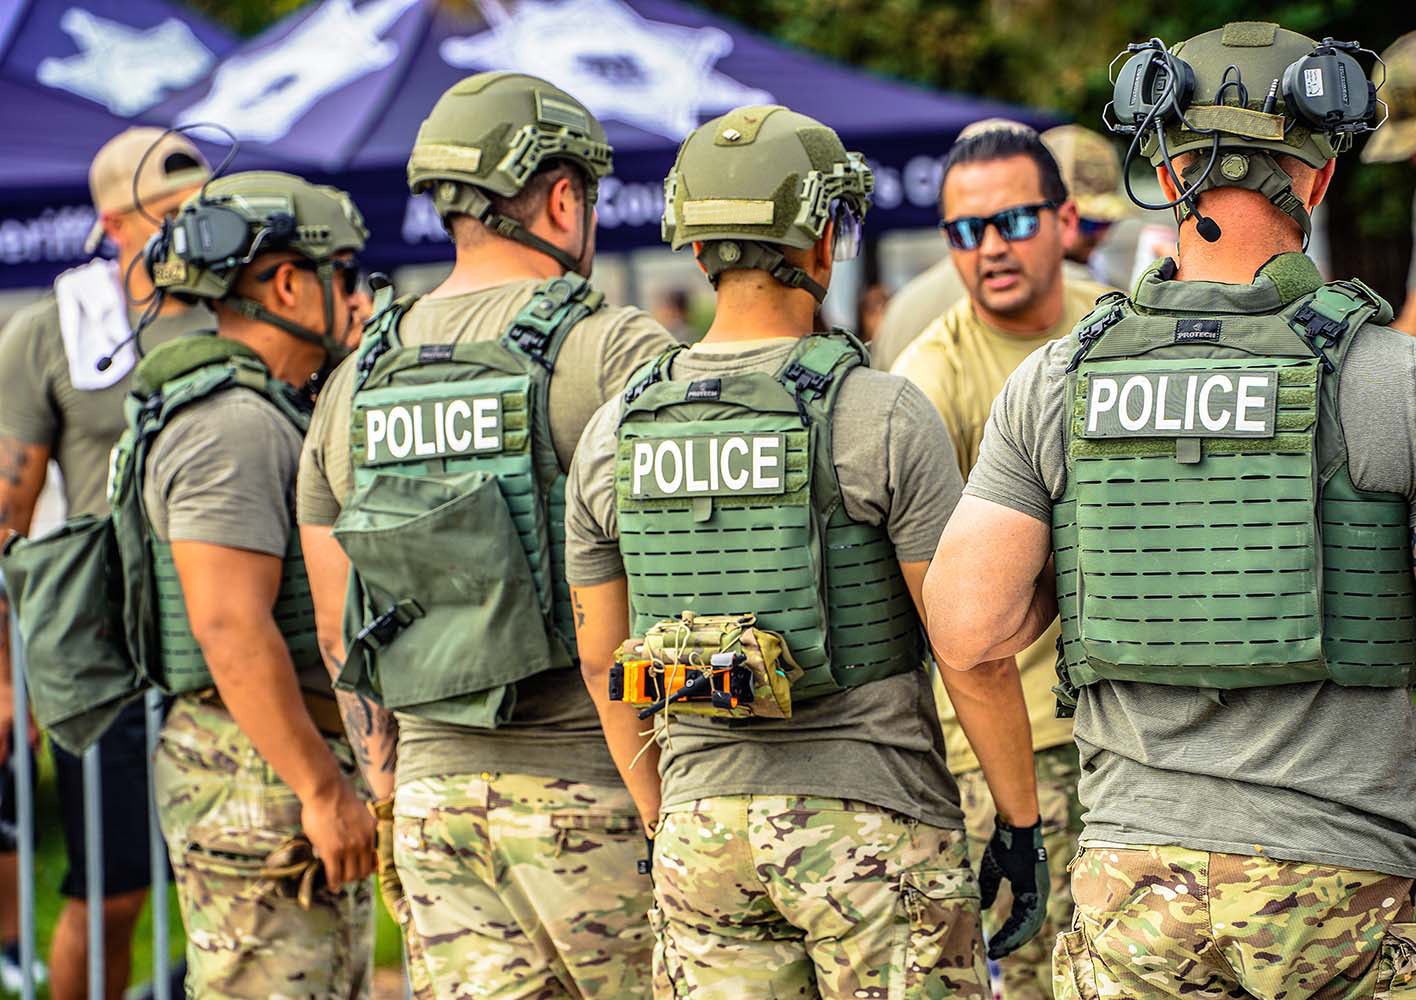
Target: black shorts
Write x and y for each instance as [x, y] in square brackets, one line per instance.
[124, 770]
[9, 803]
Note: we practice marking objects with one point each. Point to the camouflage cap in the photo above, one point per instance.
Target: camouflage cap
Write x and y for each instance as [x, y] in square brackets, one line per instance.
[1091, 169]
[1396, 140]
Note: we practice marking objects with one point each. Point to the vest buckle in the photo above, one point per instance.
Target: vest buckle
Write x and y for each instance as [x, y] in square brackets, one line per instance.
[385, 628]
[1088, 335]
[1320, 332]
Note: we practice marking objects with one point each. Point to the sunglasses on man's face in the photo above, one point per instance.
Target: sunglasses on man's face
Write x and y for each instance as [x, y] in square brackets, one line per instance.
[1013, 224]
[1093, 227]
[349, 271]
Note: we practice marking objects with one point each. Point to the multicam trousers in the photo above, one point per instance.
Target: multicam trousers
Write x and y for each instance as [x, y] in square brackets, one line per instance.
[1027, 973]
[1173, 922]
[525, 887]
[222, 810]
[770, 896]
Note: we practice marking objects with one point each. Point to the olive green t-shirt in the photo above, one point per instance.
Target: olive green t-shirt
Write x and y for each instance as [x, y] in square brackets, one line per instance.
[39, 404]
[960, 362]
[554, 729]
[878, 743]
[1311, 772]
[223, 472]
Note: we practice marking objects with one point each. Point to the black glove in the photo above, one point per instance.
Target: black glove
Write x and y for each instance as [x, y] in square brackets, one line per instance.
[1015, 853]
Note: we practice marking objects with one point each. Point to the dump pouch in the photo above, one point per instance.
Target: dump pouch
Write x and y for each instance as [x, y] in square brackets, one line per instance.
[67, 590]
[446, 595]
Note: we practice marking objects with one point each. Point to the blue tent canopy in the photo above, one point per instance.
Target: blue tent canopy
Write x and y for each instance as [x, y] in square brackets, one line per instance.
[337, 91]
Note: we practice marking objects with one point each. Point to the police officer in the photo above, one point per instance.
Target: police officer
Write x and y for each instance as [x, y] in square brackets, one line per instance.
[1396, 141]
[1220, 470]
[436, 466]
[257, 788]
[59, 400]
[747, 528]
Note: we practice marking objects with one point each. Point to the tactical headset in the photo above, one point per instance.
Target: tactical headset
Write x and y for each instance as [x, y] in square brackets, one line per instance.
[1326, 91]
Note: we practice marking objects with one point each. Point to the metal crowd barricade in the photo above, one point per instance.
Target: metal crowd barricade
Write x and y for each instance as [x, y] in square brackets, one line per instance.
[93, 846]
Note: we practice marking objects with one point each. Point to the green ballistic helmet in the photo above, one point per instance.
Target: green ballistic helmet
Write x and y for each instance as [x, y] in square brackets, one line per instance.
[760, 178]
[1239, 96]
[488, 134]
[226, 225]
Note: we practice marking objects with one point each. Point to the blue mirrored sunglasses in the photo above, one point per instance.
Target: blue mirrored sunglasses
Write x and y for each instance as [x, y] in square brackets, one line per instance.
[1013, 224]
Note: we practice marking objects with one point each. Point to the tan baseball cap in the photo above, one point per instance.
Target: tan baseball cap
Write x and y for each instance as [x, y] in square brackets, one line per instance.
[1396, 140]
[1090, 169]
[173, 164]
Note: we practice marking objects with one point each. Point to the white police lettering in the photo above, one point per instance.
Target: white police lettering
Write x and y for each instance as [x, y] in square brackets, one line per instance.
[708, 465]
[1239, 402]
[432, 428]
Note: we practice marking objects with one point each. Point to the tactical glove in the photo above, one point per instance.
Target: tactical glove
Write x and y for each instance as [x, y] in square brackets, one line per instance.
[390, 886]
[292, 871]
[1015, 853]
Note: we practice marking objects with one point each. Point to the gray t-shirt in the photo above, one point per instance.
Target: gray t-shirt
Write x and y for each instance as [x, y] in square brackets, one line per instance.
[1308, 772]
[879, 743]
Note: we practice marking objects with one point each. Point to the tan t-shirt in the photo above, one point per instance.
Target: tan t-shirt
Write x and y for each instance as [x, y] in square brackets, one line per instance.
[554, 729]
[961, 363]
[919, 302]
[878, 743]
[223, 472]
[39, 404]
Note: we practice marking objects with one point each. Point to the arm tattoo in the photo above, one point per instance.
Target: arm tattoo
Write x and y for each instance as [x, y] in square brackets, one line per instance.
[579, 611]
[13, 458]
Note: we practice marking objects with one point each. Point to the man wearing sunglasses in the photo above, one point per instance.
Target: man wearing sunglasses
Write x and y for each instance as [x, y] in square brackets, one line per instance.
[1009, 220]
[56, 403]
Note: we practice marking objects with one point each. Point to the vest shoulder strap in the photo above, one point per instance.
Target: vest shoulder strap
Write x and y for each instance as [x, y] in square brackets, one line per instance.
[380, 332]
[649, 373]
[174, 378]
[1109, 310]
[557, 305]
[817, 366]
[1325, 319]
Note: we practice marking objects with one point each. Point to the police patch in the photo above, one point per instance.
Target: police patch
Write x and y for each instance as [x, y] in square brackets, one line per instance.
[1230, 404]
[432, 428]
[708, 465]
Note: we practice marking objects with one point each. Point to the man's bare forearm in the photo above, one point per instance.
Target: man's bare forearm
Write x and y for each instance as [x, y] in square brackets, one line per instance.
[988, 702]
[371, 728]
[22, 469]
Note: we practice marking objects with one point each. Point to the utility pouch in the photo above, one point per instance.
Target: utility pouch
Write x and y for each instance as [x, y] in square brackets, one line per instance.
[444, 592]
[67, 589]
[713, 665]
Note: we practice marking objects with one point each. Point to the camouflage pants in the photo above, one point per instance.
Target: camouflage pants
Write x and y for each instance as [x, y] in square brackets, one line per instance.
[1027, 973]
[222, 810]
[524, 887]
[1172, 922]
[776, 896]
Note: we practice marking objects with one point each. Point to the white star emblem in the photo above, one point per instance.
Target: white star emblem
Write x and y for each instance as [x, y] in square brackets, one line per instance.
[125, 69]
[260, 95]
[655, 76]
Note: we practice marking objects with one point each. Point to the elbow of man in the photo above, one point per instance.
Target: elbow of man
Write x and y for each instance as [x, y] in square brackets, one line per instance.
[222, 628]
[958, 650]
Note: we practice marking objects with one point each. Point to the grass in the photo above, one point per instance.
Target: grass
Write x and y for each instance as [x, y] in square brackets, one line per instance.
[50, 865]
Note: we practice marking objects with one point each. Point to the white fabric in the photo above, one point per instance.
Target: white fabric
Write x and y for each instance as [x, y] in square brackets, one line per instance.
[93, 320]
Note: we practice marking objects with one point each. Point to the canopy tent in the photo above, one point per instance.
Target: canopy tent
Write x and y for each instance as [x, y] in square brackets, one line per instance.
[337, 91]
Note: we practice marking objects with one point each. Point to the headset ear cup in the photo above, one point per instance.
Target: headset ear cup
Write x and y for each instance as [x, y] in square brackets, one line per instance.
[1319, 91]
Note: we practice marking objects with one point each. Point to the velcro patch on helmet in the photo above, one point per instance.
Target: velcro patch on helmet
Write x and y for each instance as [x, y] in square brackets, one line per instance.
[437, 156]
[1249, 34]
[554, 111]
[729, 212]
[1237, 121]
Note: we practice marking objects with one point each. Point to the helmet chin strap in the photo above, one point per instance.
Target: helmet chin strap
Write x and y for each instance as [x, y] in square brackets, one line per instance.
[727, 255]
[1261, 173]
[479, 206]
[253, 310]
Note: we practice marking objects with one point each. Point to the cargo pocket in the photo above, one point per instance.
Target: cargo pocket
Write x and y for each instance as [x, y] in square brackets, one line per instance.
[580, 832]
[1073, 974]
[1396, 966]
[944, 951]
[450, 610]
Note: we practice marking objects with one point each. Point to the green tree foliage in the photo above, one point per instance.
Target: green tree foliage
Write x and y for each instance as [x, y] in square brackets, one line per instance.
[1053, 54]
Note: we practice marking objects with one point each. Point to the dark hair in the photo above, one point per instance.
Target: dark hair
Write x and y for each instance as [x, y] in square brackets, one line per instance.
[1000, 144]
[526, 204]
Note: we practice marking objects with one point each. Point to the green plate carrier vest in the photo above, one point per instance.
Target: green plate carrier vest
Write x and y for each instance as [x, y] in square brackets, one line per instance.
[727, 503]
[1210, 534]
[456, 527]
[172, 377]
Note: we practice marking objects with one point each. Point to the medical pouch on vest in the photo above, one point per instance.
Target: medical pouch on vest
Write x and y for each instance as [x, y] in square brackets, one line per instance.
[455, 529]
[67, 591]
[728, 504]
[1209, 534]
[158, 631]
[717, 665]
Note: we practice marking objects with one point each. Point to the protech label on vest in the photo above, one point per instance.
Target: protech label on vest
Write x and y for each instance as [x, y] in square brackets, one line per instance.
[1189, 330]
[710, 465]
[441, 428]
[1235, 403]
